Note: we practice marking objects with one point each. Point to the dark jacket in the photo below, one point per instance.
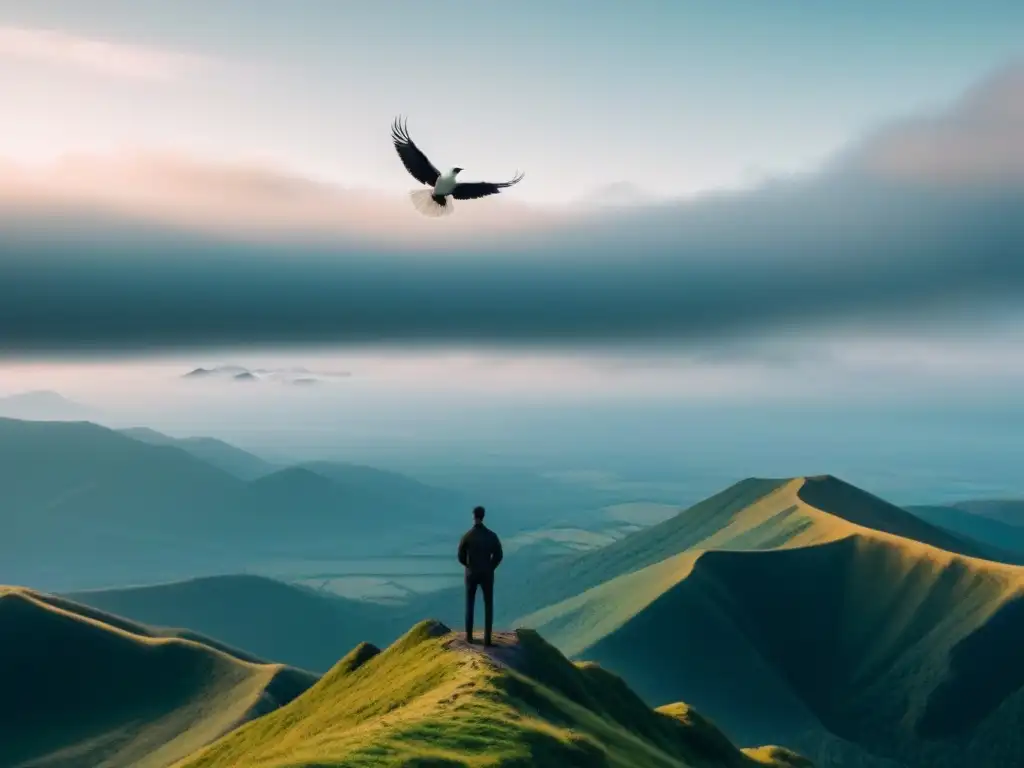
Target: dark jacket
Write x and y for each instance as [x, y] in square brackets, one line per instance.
[480, 550]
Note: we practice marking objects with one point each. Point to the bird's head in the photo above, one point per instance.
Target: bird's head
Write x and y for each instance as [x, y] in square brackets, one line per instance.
[456, 171]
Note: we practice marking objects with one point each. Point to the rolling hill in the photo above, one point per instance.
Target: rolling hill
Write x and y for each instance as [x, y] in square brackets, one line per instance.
[285, 623]
[235, 461]
[1008, 511]
[385, 487]
[75, 490]
[388, 486]
[335, 509]
[814, 612]
[83, 688]
[430, 700]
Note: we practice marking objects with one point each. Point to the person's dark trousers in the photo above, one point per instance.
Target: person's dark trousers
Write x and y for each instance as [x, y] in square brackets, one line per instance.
[486, 583]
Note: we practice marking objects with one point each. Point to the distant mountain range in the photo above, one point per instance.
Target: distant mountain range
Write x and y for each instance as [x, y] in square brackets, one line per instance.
[235, 461]
[81, 497]
[1008, 511]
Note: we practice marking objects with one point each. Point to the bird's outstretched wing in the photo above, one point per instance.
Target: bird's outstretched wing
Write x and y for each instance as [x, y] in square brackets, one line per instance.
[470, 190]
[412, 158]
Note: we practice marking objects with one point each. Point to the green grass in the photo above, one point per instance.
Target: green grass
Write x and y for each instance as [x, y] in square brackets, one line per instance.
[86, 689]
[423, 702]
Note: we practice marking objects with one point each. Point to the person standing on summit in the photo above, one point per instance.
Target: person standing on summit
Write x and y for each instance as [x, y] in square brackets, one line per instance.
[480, 554]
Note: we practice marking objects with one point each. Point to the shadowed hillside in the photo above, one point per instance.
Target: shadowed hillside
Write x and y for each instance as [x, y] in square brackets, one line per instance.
[286, 623]
[432, 700]
[85, 689]
[806, 616]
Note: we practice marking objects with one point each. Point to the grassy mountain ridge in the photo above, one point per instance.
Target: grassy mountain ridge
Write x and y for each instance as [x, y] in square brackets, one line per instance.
[247, 466]
[811, 625]
[90, 689]
[753, 514]
[431, 700]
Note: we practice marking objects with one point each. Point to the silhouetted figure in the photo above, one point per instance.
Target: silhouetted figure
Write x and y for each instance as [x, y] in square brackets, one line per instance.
[480, 553]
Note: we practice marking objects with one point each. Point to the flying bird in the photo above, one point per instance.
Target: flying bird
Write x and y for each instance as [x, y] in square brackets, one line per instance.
[437, 201]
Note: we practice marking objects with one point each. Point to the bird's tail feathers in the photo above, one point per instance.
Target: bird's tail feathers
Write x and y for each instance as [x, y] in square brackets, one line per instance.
[424, 202]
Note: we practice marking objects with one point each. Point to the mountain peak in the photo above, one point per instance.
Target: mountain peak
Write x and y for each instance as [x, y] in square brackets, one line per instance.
[835, 497]
[519, 698]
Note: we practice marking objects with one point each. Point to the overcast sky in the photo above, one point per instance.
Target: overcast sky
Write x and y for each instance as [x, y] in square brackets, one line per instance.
[815, 197]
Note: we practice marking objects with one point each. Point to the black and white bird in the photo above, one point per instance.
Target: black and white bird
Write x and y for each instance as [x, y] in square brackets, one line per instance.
[437, 201]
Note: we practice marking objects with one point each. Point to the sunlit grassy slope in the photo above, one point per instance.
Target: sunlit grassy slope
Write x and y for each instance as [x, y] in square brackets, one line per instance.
[430, 700]
[815, 605]
[83, 688]
[753, 514]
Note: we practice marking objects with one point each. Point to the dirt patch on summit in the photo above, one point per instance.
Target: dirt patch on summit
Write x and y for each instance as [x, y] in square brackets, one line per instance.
[505, 650]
